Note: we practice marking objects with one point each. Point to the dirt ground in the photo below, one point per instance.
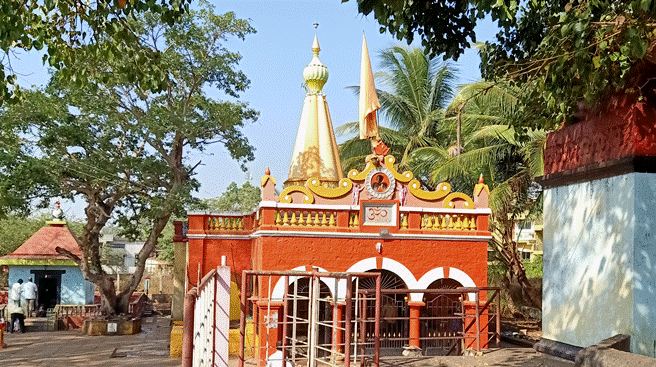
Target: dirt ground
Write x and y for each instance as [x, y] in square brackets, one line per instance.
[71, 349]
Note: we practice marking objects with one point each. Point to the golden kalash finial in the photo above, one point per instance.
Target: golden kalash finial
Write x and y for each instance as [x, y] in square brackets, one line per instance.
[315, 74]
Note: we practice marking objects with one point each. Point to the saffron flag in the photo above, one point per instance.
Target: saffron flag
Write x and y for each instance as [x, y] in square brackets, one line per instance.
[369, 103]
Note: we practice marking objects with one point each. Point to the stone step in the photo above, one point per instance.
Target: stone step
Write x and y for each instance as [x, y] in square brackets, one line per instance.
[36, 324]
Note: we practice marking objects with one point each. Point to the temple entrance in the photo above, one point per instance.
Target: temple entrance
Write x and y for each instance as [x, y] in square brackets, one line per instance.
[299, 310]
[443, 318]
[394, 328]
[48, 284]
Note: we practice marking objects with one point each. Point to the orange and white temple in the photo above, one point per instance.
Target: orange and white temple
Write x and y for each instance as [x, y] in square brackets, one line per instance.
[377, 219]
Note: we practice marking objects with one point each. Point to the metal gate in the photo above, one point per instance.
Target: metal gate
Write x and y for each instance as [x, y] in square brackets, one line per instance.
[443, 323]
[310, 315]
[394, 328]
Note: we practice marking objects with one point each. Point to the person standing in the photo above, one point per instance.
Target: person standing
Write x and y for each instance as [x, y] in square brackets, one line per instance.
[14, 307]
[29, 293]
[16, 292]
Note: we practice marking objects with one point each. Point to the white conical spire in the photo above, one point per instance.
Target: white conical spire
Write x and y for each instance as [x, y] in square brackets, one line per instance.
[315, 152]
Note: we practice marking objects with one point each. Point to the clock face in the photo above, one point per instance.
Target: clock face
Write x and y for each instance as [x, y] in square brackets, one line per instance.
[380, 183]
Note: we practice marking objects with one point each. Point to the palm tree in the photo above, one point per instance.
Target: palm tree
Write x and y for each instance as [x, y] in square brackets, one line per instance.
[508, 160]
[414, 95]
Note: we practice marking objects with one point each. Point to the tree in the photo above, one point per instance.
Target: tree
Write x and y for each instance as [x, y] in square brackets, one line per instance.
[509, 166]
[572, 54]
[568, 53]
[242, 199]
[14, 231]
[415, 91]
[444, 27]
[125, 150]
[72, 30]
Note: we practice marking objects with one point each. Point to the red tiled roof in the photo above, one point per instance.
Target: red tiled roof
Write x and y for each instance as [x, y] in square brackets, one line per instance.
[42, 245]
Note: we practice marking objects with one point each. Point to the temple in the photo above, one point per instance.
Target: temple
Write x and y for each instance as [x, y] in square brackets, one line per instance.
[58, 279]
[374, 220]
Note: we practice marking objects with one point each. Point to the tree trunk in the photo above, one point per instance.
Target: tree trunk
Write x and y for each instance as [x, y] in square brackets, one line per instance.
[504, 225]
[107, 295]
[529, 292]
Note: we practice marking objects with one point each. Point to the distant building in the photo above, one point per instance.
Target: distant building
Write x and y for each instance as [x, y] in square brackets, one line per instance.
[528, 236]
[127, 248]
[59, 280]
[157, 277]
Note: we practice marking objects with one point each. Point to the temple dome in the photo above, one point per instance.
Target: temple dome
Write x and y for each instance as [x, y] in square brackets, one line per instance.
[315, 74]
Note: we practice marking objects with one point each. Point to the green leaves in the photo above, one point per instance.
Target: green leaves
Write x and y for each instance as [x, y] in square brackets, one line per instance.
[237, 199]
[582, 52]
[67, 29]
[100, 131]
[568, 50]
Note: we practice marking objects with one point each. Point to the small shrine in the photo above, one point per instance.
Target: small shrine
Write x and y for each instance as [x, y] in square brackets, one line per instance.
[377, 219]
[58, 279]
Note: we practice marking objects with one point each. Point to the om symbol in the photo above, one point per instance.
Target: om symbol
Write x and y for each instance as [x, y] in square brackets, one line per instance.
[373, 213]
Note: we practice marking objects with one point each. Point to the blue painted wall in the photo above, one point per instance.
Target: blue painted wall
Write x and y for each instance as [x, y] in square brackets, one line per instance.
[75, 290]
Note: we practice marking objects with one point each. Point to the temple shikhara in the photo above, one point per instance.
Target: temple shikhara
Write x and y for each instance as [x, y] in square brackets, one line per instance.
[374, 220]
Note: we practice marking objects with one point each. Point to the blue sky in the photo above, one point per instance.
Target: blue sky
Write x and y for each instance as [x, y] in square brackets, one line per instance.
[273, 59]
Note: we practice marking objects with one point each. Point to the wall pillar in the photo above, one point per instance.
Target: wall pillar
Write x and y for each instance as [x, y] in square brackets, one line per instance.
[469, 307]
[270, 328]
[188, 329]
[179, 268]
[338, 322]
[415, 325]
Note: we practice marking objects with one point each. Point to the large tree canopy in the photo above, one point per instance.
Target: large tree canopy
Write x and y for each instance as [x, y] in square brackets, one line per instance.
[444, 27]
[566, 53]
[572, 53]
[73, 30]
[123, 149]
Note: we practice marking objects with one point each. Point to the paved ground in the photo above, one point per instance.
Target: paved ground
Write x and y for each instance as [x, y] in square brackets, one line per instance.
[507, 356]
[70, 348]
[151, 348]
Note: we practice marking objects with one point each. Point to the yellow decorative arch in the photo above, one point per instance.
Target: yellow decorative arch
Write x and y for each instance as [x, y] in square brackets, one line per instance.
[355, 176]
[442, 190]
[402, 177]
[449, 204]
[286, 198]
[343, 187]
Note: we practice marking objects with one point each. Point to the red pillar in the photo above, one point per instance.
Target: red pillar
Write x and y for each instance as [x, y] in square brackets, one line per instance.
[415, 326]
[338, 323]
[269, 319]
[470, 318]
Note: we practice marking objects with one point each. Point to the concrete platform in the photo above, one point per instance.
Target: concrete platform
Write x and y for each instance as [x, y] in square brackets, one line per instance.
[71, 348]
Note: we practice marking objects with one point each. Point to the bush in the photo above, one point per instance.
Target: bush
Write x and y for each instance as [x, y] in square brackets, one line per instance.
[533, 267]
